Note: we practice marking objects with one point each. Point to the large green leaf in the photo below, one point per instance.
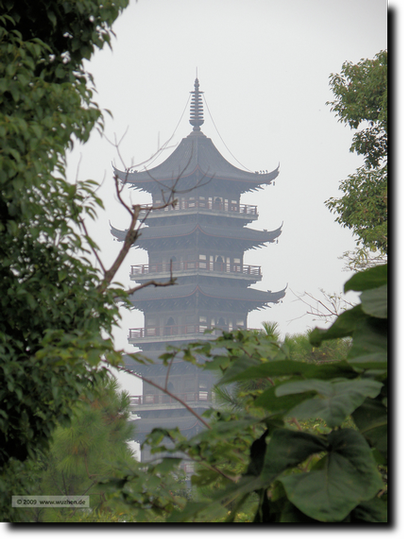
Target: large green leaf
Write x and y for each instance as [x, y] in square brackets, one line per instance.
[336, 399]
[374, 302]
[344, 326]
[281, 368]
[328, 371]
[374, 510]
[369, 344]
[368, 279]
[346, 477]
[371, 419]
[250, 369]
[288, 448]
[279, 406]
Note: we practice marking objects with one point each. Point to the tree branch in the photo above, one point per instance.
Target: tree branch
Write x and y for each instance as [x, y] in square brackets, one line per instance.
[130, 238]
[165, 391]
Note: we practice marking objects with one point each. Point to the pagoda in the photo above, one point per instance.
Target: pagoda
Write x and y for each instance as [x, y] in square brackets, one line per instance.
[201, 235]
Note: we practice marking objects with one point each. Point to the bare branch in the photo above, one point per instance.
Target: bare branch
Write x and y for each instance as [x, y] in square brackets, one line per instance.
[331, 308]
[170, 282]
[116, 145]
[118, 191]
[130, 238]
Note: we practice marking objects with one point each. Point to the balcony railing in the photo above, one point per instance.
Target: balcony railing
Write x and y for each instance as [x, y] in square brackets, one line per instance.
[236, 268]
[156, 399]
[192, 204]
[166, 331]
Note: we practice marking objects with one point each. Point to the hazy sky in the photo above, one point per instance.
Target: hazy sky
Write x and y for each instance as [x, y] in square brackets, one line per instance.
[264, 67]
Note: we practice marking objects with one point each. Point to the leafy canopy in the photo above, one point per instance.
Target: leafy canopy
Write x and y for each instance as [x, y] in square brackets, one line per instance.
[55, 320]
[92, 447]
[306, 443]
[360, 102]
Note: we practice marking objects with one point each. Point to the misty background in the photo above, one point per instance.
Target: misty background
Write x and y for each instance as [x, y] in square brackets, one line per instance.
[264, 68]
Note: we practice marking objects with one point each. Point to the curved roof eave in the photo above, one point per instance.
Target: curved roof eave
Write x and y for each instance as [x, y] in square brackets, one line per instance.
[196, 152]
[187, 290]
[155, 233]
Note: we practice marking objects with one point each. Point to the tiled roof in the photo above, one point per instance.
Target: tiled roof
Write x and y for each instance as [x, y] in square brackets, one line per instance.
[196, 152]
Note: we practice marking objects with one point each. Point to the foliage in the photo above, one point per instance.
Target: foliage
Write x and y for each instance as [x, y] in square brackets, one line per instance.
[82, 453]
[309, 444]
[361, 99]
[55, 320]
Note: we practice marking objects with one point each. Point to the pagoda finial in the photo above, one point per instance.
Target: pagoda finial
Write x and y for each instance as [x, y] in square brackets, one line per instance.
[197, 109]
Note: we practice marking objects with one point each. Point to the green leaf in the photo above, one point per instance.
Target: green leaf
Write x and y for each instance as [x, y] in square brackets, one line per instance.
[336, 399]
[346, 477]
[329, 371]
[288, 448]
[369, 344]
[52, 17]
[280, 405]
[252, 369]
[371, 419]
[198, 512]
[374, 510]
[374, 302]
[368, 279]
[344, 326]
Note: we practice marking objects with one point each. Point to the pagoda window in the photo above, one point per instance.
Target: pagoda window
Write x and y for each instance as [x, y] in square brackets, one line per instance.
[203, 320]
[169, 326]
[234, 206]
[202, 261]
[218, 203]
[202, 203]
[203, 391]
[191, 202]
[240, 323]
[221, 322]
[219, 263]
[150, 327]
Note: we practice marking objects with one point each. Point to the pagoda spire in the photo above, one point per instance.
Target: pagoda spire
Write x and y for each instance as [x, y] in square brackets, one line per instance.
[197, 109]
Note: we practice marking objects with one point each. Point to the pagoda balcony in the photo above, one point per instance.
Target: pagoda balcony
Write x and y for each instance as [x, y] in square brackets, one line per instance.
[169, 333]
[148, 402]
[187, 206]
[142, 273]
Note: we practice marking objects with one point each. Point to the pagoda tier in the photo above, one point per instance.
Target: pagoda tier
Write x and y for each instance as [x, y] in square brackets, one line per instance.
[224, 296]
[204, 235]
[198, 231]
[187, 311]
[196, 162]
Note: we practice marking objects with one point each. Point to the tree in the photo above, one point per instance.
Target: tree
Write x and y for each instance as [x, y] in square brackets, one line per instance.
[56, 311]
[92, 447]
[361, 103]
